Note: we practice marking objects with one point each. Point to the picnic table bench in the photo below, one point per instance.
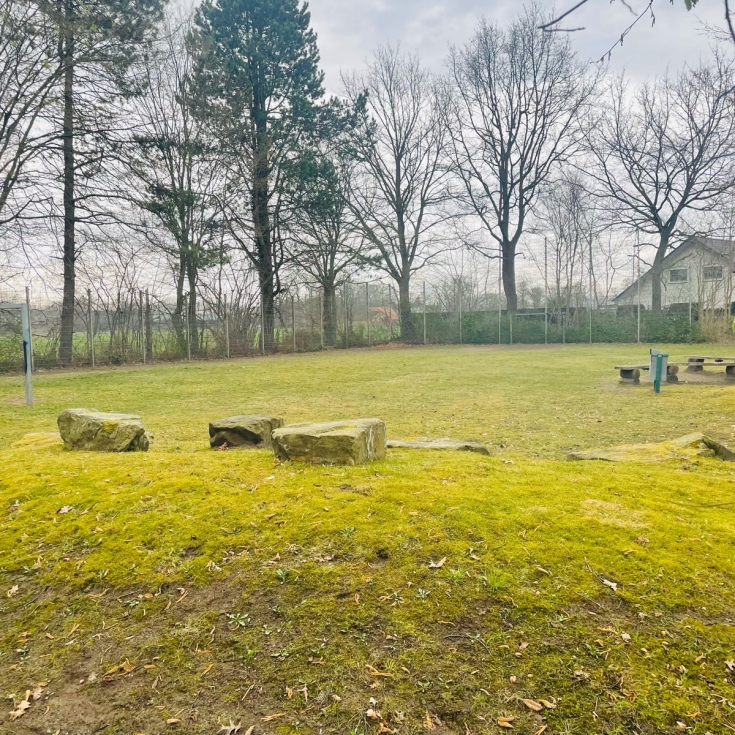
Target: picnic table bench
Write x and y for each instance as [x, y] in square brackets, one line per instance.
[694, 364]
[632, 373]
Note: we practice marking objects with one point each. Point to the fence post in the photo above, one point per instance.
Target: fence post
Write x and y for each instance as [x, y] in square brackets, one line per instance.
[293, 322]
[227, 330]
[321, 317]
[30, 328]
[510, 317]
[367, 311]
[143, 336]
[424, 290]
[347, 316]
[590, 325]
[546, 292]
[390, 311]
[262, 323]
[148, 325]
[25, 318]
[91, 326]
[459, 306]
[188, 330]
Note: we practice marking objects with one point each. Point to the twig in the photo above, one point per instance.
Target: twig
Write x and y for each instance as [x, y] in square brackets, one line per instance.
[547, 26]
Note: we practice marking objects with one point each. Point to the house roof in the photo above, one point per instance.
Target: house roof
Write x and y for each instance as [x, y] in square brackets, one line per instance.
[721, 248]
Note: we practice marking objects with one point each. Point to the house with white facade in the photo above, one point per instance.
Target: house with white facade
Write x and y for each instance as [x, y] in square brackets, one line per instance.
[698, 273]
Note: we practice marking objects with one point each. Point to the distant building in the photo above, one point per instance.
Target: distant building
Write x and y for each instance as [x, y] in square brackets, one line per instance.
[699, 272]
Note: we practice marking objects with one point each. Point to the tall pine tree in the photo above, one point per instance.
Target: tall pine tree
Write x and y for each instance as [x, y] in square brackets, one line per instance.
[258, 82]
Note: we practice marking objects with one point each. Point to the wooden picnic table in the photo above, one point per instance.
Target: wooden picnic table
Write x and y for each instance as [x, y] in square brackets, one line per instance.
[632, 373]
[694, 364]
[697, 363]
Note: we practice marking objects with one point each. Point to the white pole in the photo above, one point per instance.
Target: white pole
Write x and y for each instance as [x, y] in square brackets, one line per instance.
[30, 326]
[500, 297]
[546, 292]
[424, 288]
[227, 330]
[188, 330]
[91, 325]
[25, 314]
[459, 306]
[321, 317]
[143, 341]
[638, 264]
[367, 310]
[347, 317]
[293, 322]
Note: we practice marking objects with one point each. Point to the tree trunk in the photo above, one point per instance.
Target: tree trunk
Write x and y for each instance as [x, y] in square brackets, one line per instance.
[657, 273]
[509, 277]
[262, 223]
[192, 308]
[66, 341]
[408, 325]
[330, 314]
[178, 316]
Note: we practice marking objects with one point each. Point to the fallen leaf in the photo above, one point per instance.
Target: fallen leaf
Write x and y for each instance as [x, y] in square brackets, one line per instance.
[231, 729]
[207, 670]
[173, 721]
[270, 718]
[12, 591]
[371, 714]
[374, 672]
[438, 564]
[539, 568]
[612, 585]
[20, 709]
[541, 730]
[65, 509]
[506, 722]
[730, 665]
[533, 705]
[547, 704]
[428, 722]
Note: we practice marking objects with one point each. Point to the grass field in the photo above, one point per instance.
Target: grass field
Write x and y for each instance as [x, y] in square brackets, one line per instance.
[186, 589]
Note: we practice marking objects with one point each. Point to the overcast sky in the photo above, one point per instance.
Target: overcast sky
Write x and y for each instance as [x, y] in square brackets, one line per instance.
[349, 29]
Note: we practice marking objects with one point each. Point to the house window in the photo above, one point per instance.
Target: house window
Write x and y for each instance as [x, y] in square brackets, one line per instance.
[679, 275]
[712, 273]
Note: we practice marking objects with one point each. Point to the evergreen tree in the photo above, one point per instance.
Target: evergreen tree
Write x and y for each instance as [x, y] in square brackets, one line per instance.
[258, 81]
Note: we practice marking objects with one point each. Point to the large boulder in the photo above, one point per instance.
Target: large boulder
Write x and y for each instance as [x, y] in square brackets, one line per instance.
[691, 446]
[442, 445]
[95, 431]
[244, 431]
[337, 442]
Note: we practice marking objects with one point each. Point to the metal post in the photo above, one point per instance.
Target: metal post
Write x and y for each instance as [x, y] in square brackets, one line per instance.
[321, 317]
[638, 264]
[188, 330]
[390, 311]
[148, 325]
[25, 315]
[367, 311]
[347, 317]
[143, 341]
[91, 325]
[262, 323]
[459, 294]
[424, 289]
[227, 330]
[500, 297]
[293, 322]
[30, 327]
[546, 292]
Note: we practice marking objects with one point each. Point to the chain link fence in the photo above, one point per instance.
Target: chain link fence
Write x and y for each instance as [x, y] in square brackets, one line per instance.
[138, 327]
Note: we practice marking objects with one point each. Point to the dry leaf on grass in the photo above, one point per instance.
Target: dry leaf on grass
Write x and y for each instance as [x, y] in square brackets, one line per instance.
[541, 730]
[547, 704]
[124, 668]
[270, 718]
[25, 703]
[12, 591]
[173, 721]
[65, 509]
[533, 705]
[428, 722]
[506, 722]
[231, 729]
[730, 665]
[374, 672]
[612, 585]
[372, 714]
[438, 564]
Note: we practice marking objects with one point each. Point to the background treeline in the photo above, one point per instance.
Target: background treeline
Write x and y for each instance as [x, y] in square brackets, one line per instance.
[198, 158]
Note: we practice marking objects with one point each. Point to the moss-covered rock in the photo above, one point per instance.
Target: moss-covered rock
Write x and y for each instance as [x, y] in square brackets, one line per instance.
[244, 431]
[686, 447]
[442, 445]
[338, 442]
[94, 431]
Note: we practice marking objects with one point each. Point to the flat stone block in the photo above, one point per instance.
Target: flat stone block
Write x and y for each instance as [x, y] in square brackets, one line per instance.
[337, 442]
[244, 431]
[442, 445]
[94, 431]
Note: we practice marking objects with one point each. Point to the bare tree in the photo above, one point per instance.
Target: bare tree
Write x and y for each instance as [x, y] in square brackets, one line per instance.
[176, 172]
[28, 74]
[324, 232]
[668, 149]
[520, 96]
[399, 189]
